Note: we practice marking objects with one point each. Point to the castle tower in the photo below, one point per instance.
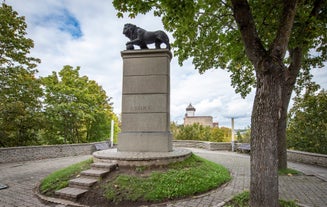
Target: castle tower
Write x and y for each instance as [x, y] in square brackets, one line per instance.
[190, 110]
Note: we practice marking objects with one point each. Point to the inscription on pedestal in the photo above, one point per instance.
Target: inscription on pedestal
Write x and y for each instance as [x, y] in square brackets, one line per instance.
[141, 108]
[145, 103]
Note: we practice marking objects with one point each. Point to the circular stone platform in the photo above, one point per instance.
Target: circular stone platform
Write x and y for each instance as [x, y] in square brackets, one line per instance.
[141, 158]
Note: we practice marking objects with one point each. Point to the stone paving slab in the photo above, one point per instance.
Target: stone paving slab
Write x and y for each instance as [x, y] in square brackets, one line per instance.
[83, 181]
[70, 192]
[22, 177]
[95, 172]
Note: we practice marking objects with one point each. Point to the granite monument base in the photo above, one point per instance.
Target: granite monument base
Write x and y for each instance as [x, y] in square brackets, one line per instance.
[145, 142]
[145, 113]
[131, 159]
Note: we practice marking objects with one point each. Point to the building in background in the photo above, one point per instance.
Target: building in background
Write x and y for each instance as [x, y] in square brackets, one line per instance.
[190, 118]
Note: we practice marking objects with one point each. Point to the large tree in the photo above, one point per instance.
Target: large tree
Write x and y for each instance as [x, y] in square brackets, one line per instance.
[76, 109]
[264, 44]
[19, 88]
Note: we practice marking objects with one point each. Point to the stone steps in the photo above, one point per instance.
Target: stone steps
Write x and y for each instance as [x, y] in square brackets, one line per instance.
[104, 165]
[95, 173]
[84, 183]
[80, 185]
[70, 193]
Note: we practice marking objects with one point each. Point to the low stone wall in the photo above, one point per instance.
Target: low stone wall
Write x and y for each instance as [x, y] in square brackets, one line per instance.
[18, 154]
[214, 146]
[307, 158]
[203, 144]
[292, 155]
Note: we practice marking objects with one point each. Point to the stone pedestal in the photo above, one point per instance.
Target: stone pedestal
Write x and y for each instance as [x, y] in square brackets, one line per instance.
[146, 101]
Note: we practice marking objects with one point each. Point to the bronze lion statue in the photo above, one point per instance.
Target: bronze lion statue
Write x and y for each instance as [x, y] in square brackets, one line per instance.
[141, 37]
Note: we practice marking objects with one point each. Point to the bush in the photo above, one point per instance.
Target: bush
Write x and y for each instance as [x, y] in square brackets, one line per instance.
[200, 132]
[307, 128]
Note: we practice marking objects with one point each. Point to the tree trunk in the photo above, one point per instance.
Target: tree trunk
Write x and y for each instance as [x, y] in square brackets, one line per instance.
[282, 144]
[282, 124]
[268, 108]
[264, 141]
[287, 87]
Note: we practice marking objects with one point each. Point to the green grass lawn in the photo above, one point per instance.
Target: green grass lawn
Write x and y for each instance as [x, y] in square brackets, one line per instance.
[192, 176]
[242, 200]
[59, 179]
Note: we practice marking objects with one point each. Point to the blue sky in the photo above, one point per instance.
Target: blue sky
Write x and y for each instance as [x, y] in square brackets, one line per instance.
[63, 20]
[88, 34]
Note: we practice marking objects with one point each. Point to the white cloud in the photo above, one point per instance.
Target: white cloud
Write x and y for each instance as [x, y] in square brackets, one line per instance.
[97, 51]
[238, 108]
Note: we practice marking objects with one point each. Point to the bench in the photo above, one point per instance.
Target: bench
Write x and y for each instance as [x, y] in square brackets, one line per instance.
[244, 147]
[101, 146]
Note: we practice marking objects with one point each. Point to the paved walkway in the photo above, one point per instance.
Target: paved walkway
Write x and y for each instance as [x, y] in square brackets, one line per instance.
[22, 177]
[309, 189]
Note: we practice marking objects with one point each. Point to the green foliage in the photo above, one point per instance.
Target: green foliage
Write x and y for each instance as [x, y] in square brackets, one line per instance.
[199, 132]
[244, 136]
[242, 200]
[288, 171]
[20, 117]
[192, 176]
[206, 31]
[193, 132]
[59, 179]
[307, 128]
[14, 46]
[77, 109]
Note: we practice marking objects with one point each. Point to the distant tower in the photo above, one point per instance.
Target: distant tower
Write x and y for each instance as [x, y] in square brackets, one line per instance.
[190, 110]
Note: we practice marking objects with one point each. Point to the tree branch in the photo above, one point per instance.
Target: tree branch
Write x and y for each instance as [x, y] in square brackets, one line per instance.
[296, 56]
[280, 43]
[253, 46]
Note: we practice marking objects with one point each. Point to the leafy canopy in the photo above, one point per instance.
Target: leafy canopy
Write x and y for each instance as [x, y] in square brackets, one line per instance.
[14, 46]
[77, 109]
[19, 89]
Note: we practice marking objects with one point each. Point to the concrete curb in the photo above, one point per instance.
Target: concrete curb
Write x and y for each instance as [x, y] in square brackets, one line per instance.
[46, 199]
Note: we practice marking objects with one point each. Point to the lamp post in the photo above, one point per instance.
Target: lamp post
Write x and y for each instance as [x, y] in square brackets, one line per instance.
[112, 133]
[233, 141]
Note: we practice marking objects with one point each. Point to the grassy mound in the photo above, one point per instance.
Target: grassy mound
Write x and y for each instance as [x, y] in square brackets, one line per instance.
[136, 185]
[192, 176]
[59, 179]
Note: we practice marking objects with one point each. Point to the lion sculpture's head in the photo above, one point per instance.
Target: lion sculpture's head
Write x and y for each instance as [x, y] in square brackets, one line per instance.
[130, 31]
